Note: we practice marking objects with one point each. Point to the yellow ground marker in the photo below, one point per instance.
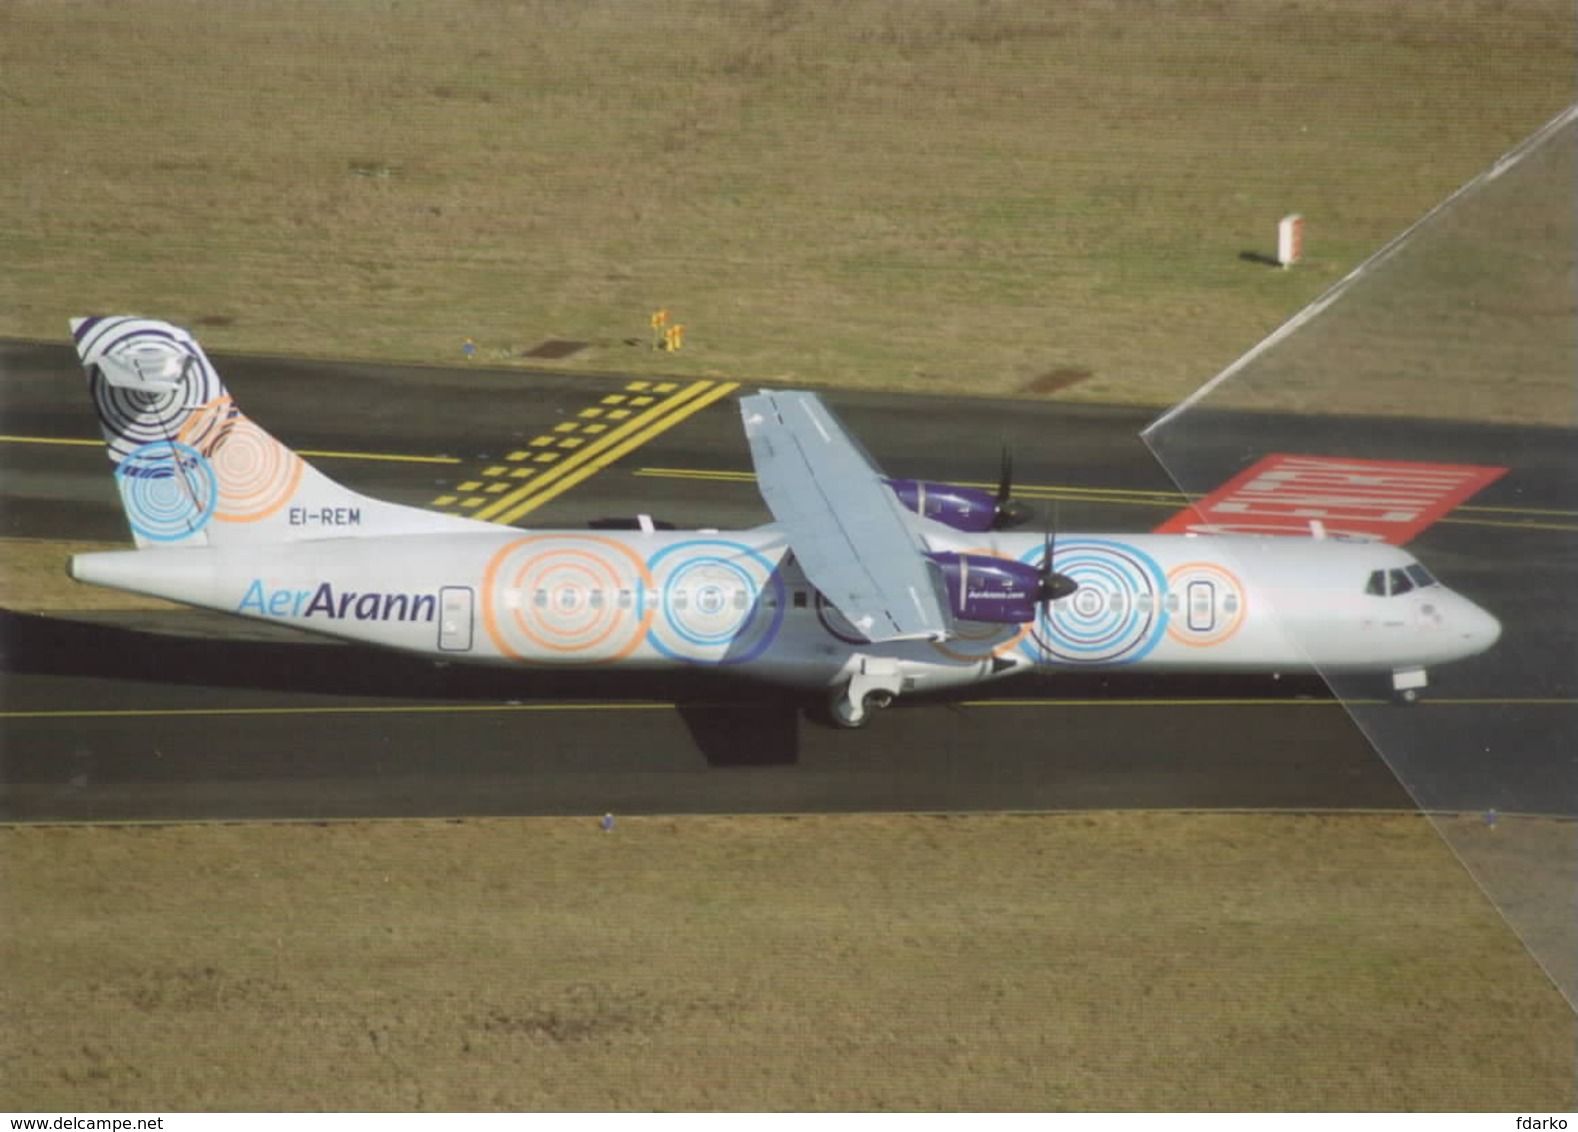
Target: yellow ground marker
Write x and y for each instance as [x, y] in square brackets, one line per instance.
[567, 466]
[620, 448]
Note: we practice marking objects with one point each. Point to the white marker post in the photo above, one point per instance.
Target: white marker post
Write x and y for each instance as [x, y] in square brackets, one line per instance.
[1290, 240]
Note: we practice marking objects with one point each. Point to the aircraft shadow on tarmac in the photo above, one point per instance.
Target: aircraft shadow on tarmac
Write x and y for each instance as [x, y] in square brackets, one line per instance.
[734, 722]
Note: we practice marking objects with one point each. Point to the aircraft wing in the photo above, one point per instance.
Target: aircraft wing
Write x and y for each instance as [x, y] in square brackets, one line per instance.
[853, 538]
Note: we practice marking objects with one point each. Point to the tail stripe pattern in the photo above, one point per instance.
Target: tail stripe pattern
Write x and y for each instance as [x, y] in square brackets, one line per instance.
[184, 454]
[133, 418]
[194, 471]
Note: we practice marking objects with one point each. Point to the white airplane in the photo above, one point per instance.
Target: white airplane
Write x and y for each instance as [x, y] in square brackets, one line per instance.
[864, 588]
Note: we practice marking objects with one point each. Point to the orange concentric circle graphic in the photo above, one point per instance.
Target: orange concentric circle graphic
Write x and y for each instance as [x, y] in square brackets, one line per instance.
[1211, 604]
[257, 475]
[566, 599]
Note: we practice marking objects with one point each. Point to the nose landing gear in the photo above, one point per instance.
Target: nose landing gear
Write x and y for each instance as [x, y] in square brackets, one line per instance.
[1406, 684]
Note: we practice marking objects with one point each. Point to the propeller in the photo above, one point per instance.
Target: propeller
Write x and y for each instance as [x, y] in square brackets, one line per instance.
[1010, 512]
[1052, 586]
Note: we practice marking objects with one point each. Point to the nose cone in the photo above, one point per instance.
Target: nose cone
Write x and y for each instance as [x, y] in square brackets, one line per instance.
[1479, 629]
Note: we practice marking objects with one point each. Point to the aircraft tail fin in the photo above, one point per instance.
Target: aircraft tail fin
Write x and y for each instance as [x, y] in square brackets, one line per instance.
[193, 470]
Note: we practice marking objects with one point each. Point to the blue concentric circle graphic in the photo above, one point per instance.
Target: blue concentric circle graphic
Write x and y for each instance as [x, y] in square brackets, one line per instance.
[718, 601]
[1115, 617]
[168, 489]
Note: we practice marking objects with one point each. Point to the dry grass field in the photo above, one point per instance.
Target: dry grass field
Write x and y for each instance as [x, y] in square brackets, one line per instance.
[33, 578]
[1133, 961]
[927, 195]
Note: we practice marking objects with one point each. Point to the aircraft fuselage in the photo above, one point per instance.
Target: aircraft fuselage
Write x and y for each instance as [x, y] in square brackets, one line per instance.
[736, 601]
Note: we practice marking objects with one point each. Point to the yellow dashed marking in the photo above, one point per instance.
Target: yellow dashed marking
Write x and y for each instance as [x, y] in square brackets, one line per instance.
[604, 450]
[575, 448]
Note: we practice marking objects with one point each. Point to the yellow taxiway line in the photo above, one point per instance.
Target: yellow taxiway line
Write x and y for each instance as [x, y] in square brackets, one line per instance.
[1137, 497]
[599, 454]
[605, 705]
[596, 456]
[348, 709]
[391, 457]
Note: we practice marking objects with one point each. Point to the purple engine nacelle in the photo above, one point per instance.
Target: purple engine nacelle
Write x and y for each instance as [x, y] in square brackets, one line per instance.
[962, 508]
[999, 590]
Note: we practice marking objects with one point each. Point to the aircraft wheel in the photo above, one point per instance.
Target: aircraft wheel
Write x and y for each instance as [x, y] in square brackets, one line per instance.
[1403, 697]
[850, 716]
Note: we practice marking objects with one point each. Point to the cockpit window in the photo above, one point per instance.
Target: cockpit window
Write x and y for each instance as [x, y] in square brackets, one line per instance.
[1421, 576]
[1393, 582]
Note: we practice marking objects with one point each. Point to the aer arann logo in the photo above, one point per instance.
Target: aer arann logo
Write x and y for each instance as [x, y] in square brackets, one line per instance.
[331, 604]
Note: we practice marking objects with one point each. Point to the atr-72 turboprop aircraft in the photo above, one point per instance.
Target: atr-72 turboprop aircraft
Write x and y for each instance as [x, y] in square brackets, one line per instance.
[863, 588]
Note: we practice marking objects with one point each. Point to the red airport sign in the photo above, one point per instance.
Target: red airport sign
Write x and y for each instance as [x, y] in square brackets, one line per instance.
[1385, 500]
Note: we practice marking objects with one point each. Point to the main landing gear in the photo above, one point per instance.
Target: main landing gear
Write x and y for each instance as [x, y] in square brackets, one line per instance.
[877, 680]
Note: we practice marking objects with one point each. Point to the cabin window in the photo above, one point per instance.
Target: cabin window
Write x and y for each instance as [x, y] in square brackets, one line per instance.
[624, 599]
[681, 599]
[1172, 603]
[1401, 583]
[739, 599]
[540, 599]
[1376, 586]
[1229, 603]
[597, 599]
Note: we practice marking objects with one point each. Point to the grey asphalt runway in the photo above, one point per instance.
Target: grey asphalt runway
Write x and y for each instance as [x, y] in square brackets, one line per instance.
[159, 716]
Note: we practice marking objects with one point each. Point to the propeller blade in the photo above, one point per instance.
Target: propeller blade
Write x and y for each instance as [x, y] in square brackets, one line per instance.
[1010, 512]
[1054, 586]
